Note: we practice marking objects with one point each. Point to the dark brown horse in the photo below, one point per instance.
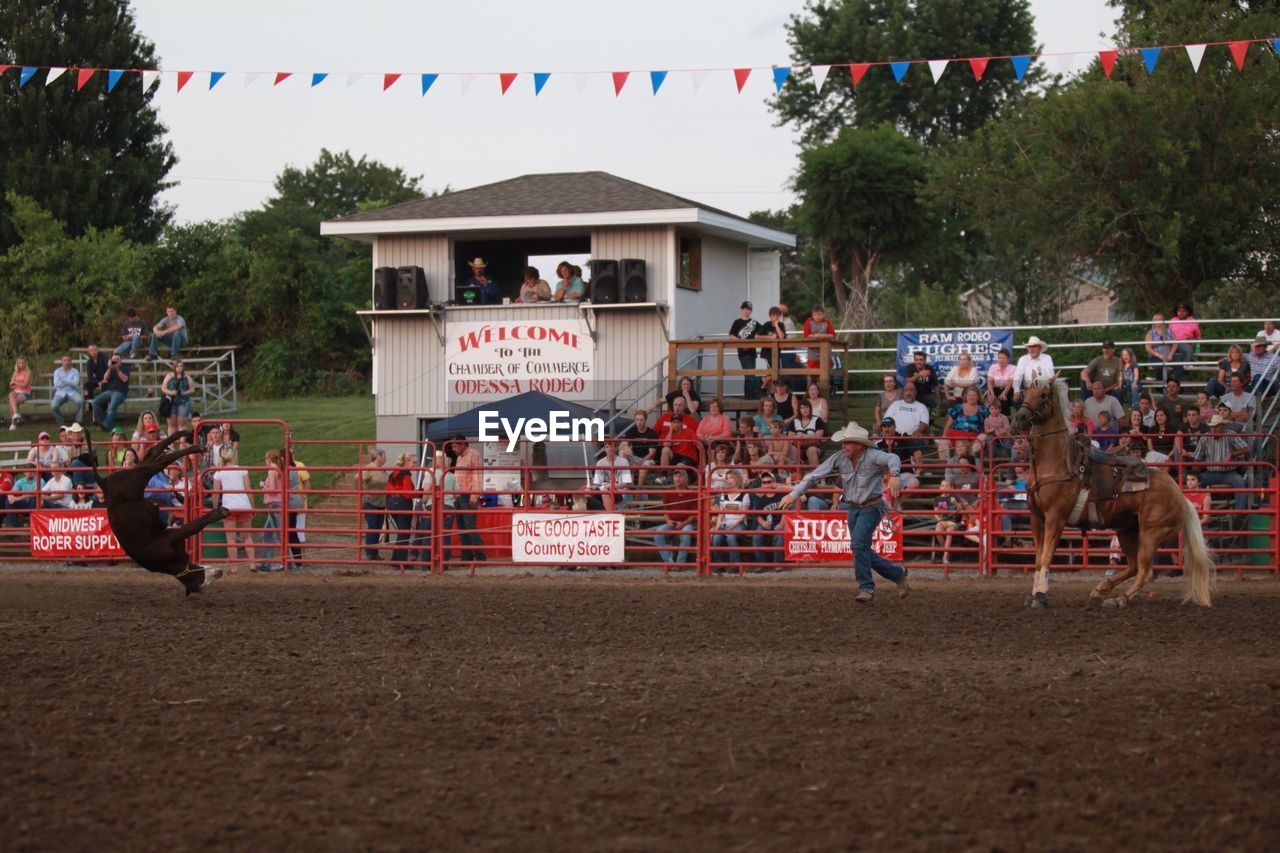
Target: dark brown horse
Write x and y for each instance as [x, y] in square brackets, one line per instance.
[1141, 519]
[138, 524]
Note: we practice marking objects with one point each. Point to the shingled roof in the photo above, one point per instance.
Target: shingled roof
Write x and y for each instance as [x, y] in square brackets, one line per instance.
[554, 193]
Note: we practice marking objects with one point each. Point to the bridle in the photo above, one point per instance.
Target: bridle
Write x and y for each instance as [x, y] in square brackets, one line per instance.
[1038, 416]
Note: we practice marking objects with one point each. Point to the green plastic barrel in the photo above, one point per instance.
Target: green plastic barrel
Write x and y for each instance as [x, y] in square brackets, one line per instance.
[1261, 539]
[215, 542]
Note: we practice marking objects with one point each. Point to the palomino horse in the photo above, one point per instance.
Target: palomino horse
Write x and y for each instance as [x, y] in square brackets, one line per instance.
[1142, 519]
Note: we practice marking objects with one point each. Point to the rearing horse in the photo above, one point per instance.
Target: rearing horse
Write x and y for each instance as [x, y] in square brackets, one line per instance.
[1142, 520]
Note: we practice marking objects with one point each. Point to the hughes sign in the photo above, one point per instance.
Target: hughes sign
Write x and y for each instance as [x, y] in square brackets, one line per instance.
[490, 361]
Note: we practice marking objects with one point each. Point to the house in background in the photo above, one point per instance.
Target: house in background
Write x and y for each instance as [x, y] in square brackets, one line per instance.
[440, 356]
[1076, 300]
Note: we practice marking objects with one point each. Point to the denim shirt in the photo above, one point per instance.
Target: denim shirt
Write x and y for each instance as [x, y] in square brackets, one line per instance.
[65, 380]
[859, 483]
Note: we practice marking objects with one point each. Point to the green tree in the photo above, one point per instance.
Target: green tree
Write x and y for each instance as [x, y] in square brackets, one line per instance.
[838, 32]
[862, 203]
[91, 159]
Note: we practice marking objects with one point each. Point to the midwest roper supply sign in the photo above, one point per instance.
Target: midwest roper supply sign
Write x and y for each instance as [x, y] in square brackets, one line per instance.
[73, 533]
[491, 361]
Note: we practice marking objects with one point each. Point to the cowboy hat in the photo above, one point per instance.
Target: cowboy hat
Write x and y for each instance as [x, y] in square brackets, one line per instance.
[853, 432]
[1034, 341]
[1217, 420]
[478, 264]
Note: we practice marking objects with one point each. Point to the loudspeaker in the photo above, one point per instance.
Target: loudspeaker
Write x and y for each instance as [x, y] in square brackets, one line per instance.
[635, 286]
[411, 288]
[384, 288]
[604, 282]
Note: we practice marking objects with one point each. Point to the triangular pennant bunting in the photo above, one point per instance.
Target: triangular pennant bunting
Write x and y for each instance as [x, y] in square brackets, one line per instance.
[899, 70]
[83, 76]
[1275, 45]
[149, 79]
[1067, 62]
[656, 79]
[1108, 60]
[353, 79]
[978, 65]
[1195, 52]
[619, 80]
[857, 71]
[318, 77]
[1238, 50]
[25, 75]
[740, 76]
[540, 79]
[580, 82]
[428, 80]
[780, 75]
[281, 76]
[251, 77]
[215, 76]
[465, 82]
[184, 77]
[1150, 56]
[505, 79]
[54, 74]
[4, 68]
[389, 80]
[113, 77]
[937, 67]
[1020, 64]
[697, 78]
[820, 73]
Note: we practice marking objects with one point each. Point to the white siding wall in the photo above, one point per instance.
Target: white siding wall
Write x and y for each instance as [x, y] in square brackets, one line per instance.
[652, 245]
[432, 253]
[724, 286]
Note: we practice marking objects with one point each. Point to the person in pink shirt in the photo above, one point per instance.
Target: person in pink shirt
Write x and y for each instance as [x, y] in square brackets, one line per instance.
[469, 470]
[1000, 381]
[715, 425]
[1184, 328]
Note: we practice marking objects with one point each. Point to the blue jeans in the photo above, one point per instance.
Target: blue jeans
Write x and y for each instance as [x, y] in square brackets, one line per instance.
[400, 518]
[104, 407]
[129, 347]
[769, 547]
[726, 548]
[472, 550]
[422, 526]
[663, 542]
[373, 520]
[61, 399]
[862, 525]
[750, 384]
[1240, 500]
[175, 341]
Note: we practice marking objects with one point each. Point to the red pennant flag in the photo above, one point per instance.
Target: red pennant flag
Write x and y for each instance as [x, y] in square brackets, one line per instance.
[4, 68]
[619, 80]
[281, 76]
[183, 78]
[1238, 49]
[389, 80]
[978, 65]
[740, 76]
[506, 79]
[1108, 60]
[84, 75]
[858, 70]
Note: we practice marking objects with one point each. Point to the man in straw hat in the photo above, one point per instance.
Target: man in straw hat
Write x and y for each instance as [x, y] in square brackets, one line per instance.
[488, 290]
[1034, 366]
[861, 467]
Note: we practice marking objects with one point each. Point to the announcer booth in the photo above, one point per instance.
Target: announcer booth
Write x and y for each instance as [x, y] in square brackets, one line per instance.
[656, 267]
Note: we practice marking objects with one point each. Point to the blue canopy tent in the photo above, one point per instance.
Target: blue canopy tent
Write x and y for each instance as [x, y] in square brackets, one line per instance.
[530, 404]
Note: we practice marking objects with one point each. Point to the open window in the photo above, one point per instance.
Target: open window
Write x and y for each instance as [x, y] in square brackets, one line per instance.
[689, 263]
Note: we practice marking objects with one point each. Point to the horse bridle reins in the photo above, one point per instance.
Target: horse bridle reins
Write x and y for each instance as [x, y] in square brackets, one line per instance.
[1038, 416]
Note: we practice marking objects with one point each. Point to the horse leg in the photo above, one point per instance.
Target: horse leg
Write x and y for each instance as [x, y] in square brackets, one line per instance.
[1129, 547]
[191, 528]
[1046, 532]
[1148, 541]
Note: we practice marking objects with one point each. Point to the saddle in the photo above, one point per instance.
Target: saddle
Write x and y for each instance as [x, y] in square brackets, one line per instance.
[1104, 476]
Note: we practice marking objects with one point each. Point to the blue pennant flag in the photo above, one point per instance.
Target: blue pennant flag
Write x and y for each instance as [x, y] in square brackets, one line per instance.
[656, 78]
[899, 70]
[780, 76]
[214, 77]
[113, 77]
[539, 80]
[1150, 55]
[318, 78]
[1020, 64]
[427, 81]
[1275, 45]
[28, 72]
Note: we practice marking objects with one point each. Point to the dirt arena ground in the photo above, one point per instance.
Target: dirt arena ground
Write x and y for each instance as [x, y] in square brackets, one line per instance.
[587, 712]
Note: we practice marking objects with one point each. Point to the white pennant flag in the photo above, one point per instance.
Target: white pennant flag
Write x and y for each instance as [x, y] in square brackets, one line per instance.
[820, 73]
[581, 81]
[698, 78]
[54, 74]
[1067, 62]
[353, 79]
[465, 82]
[936, 67]
[250, 77]
[1195, 52]
[149, 79]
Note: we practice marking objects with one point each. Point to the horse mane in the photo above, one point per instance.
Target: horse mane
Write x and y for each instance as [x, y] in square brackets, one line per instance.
[1062, 396]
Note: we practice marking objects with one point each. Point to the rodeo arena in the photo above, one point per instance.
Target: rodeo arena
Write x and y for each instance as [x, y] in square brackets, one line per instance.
[644, 558]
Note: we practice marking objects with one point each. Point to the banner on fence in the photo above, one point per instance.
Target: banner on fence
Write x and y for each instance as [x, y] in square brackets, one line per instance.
[943, 346]
[556, 537]
[499, 359]
[73, 533]
[822, 537]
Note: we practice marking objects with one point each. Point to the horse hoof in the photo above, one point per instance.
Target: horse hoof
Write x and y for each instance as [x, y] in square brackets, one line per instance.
[1037, 601]
[1118, 601]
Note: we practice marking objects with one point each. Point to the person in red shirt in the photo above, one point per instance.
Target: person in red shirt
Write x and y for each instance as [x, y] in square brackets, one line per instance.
[679, 435]
[680, 515]
[400, 497]
[817, 327]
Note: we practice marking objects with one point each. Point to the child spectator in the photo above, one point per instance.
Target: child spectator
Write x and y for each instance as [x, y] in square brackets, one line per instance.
[19, 390]
[728, 522]
[1106, 433]
[131, 332]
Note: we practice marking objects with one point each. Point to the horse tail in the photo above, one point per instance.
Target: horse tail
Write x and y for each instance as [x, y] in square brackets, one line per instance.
[1198, 564]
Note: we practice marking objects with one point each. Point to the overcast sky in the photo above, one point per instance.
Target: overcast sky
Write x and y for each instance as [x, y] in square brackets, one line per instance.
[713, 145]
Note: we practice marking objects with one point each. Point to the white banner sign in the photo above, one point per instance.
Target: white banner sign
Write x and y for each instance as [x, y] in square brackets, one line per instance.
[575, 539]
[491, 361]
